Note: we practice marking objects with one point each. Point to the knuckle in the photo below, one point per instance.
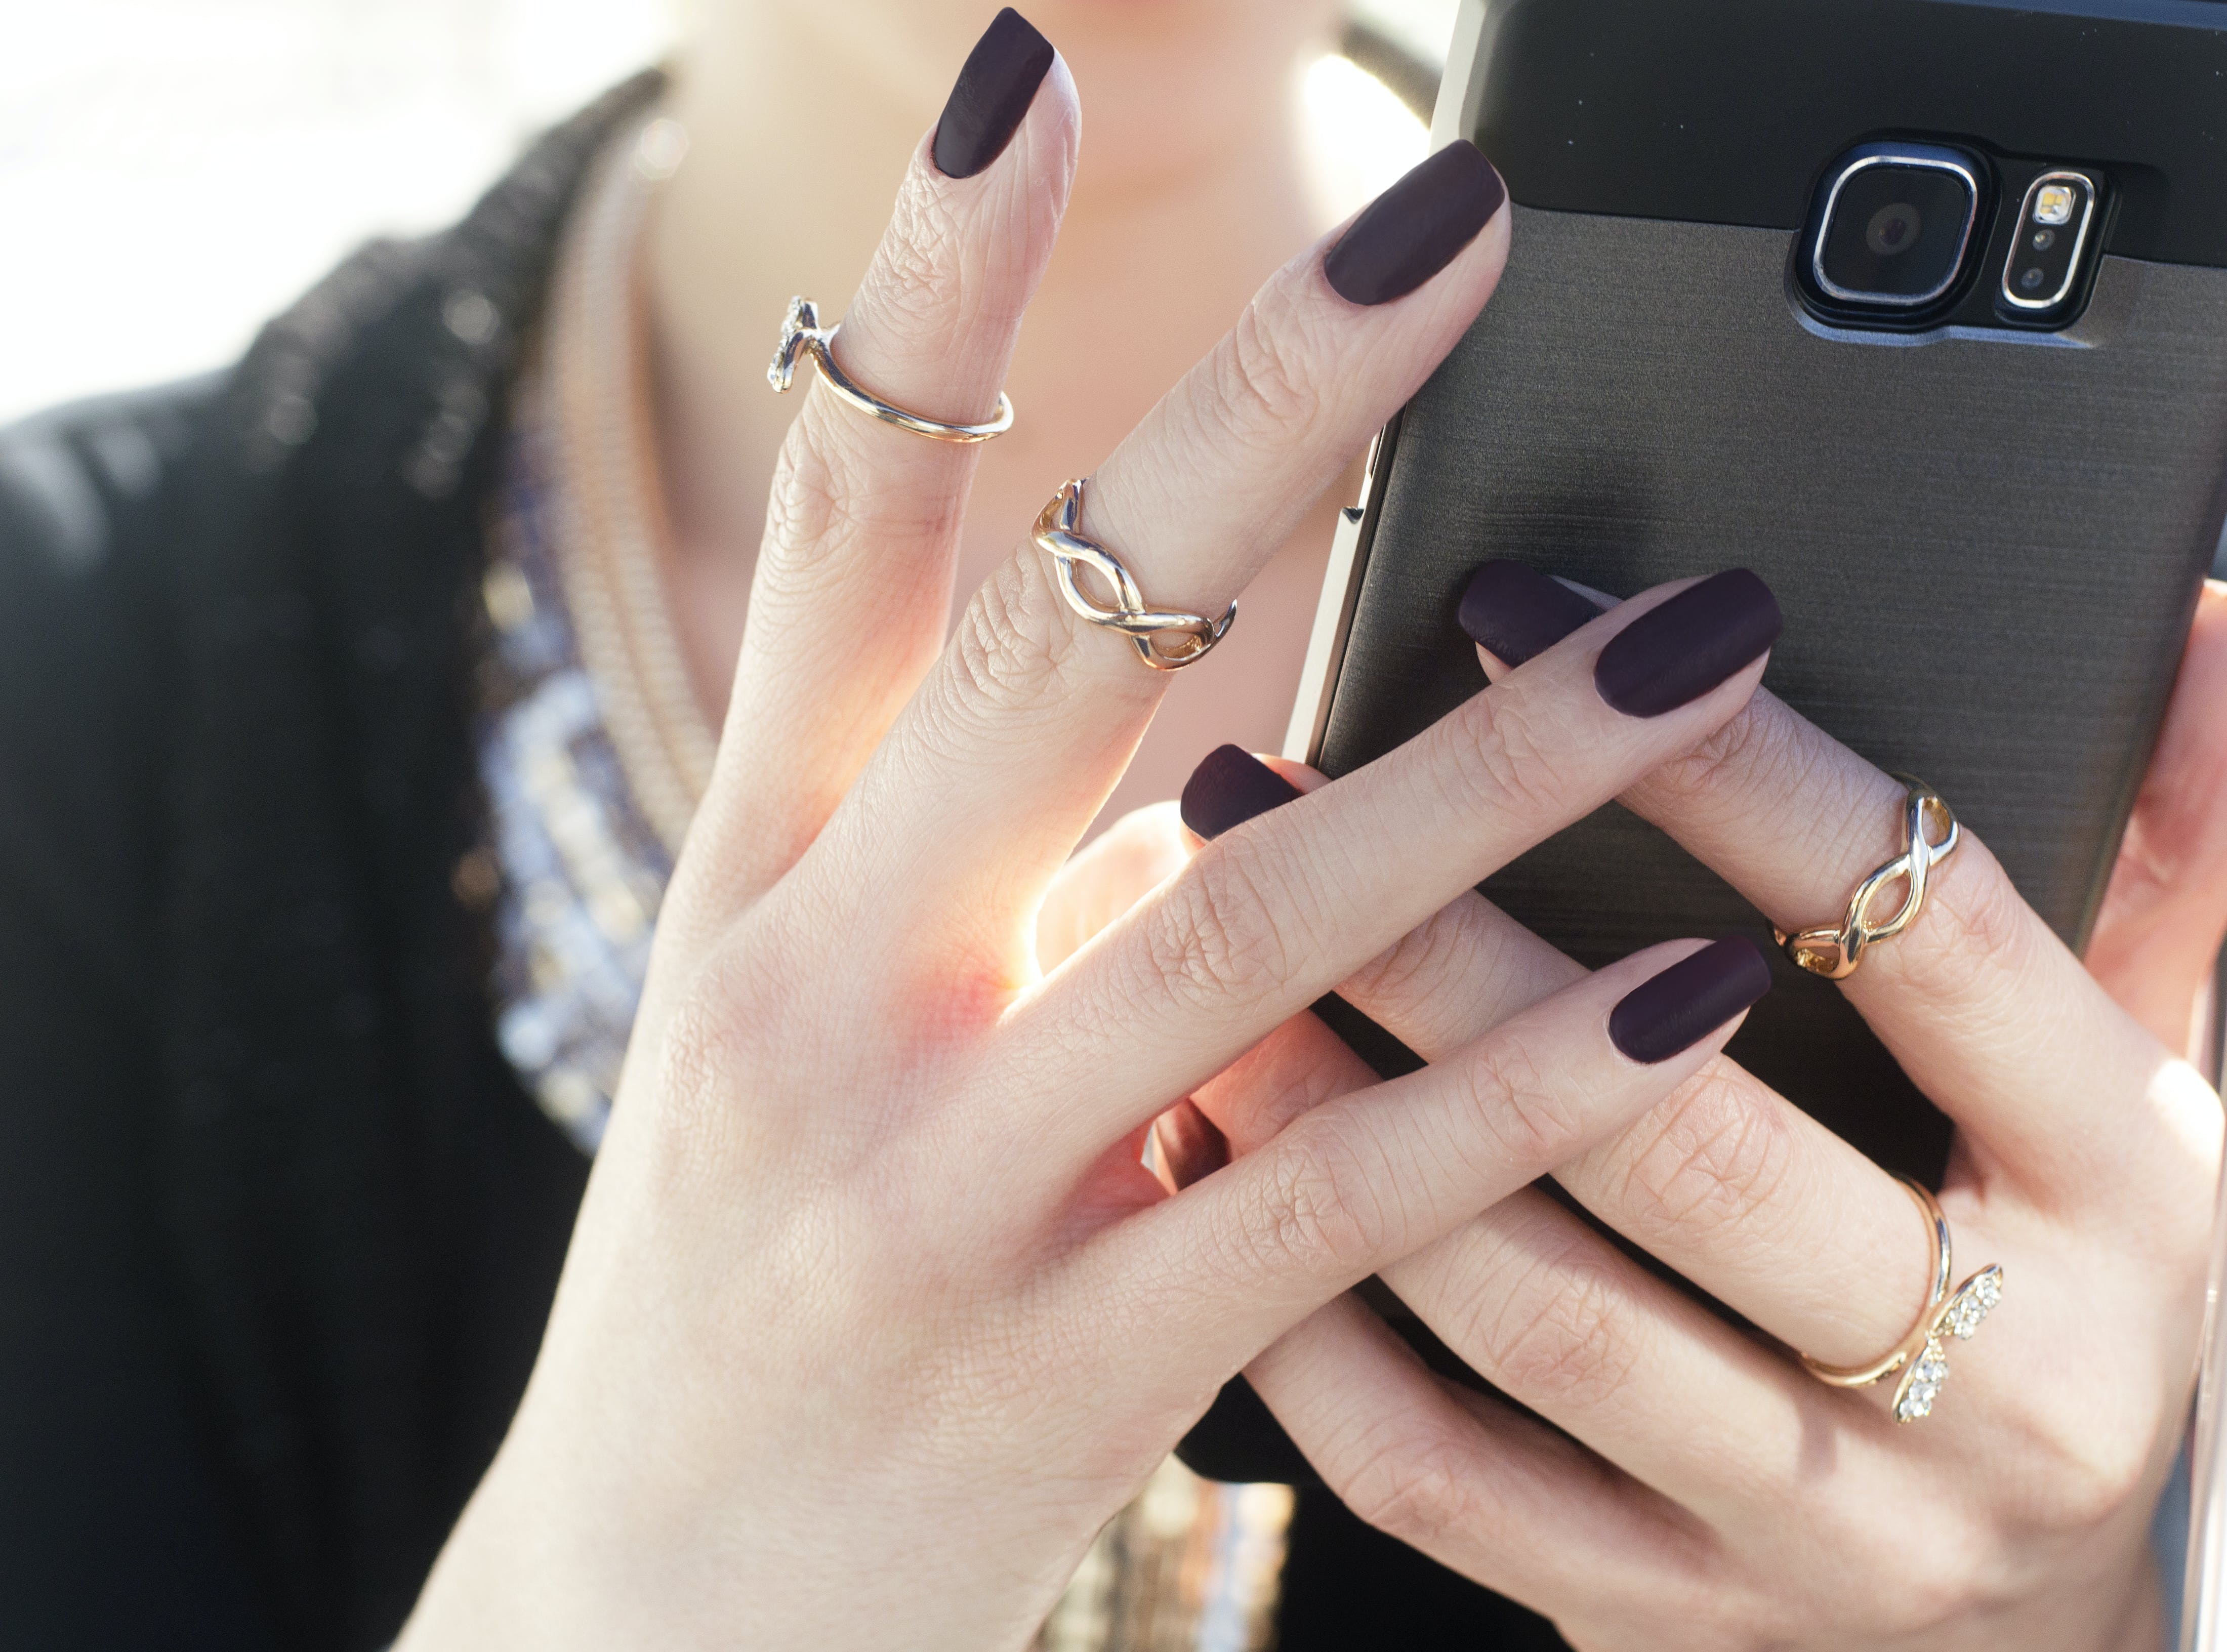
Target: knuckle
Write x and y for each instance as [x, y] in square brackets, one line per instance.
[1214, 937]
[1527, 1120]
[1511, 763]
[1755, 753]
[810, 508]
[913, 275]
[1413, 970]
[1567, 1334]
[1718, 1156]
[1012, 643]
[1411, 1482]
[1262, 386]
[2099, 1466]
[1313, 1211]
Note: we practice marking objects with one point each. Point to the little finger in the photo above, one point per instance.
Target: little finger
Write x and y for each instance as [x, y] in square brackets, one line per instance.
[1226, 1265]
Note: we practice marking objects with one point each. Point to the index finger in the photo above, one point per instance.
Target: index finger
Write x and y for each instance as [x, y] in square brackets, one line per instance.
[1030, 717]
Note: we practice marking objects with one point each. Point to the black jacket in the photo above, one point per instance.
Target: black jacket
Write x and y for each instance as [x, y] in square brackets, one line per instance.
[278, 1228]
[278, 1225]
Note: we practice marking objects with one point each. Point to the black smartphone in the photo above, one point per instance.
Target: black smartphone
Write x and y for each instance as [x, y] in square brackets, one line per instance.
[1917, 308]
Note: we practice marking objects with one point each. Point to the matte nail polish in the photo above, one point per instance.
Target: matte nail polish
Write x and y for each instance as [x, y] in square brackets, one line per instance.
[1680, 651]
[1514, 612]
[1228, 788]
[1688, 1001]
[996, 85]
[1413, 230]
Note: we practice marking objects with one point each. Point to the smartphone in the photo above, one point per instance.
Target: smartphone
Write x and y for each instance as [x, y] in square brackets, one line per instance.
[1917, 308]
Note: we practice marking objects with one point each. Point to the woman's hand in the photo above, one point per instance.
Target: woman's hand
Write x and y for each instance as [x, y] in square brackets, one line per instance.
[871, 1317]
[1708, 1492]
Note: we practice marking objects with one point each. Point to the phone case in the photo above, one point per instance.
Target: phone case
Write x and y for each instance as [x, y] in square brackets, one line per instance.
[1987, 546]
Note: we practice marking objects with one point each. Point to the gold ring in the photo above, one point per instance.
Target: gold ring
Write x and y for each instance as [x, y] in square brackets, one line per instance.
[1946, 1313]
[802, 335]
[1148, 628]
[1834, 952]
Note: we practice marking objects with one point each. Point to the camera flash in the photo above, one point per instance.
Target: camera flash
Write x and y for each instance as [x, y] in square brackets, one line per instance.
[2052, 204]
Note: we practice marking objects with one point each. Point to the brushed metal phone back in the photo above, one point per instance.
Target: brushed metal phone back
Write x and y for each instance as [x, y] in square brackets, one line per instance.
[1986, 549]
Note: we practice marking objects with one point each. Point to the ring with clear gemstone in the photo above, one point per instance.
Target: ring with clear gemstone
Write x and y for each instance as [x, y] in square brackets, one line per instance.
[1971, 1302]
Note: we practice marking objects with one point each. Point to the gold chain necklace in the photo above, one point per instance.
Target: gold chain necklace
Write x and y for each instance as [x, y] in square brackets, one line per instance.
[608, 525]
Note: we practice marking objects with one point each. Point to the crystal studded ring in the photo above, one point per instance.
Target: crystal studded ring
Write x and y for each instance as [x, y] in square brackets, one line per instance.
[1947, 1313]
[1165, 639]
[802, 335]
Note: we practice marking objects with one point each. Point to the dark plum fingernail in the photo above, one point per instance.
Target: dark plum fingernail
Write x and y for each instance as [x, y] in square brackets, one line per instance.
[1228, 788]
[1688, 1001]
[1680, 651]
[1413, 230]
[995, 87]
[1514, 612]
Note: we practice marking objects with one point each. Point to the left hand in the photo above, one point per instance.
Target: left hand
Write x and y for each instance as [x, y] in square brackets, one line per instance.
[1712, 1494]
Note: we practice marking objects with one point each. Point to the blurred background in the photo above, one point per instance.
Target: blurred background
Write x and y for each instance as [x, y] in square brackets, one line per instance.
[173, 172]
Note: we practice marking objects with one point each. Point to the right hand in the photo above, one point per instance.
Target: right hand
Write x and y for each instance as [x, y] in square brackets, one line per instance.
[871, 1319]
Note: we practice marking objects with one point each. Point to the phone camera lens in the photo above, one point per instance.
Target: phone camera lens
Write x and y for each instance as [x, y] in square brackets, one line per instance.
[1893, 229]
[2033, 278]
[1896, 225]
[2044, 239]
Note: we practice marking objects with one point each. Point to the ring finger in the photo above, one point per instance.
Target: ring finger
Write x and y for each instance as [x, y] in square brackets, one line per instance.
[1723, 1180]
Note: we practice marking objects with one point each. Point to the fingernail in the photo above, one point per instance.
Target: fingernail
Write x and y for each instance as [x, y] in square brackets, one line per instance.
[1688, 1001]
[1682, 650]
[1229, 788]
[1513, 612]
[995, 87]
[1413, 230]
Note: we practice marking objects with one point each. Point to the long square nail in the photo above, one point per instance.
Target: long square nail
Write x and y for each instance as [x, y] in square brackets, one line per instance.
[996, 85]
[1676, 652]
[1676, 1009]
[1416, 229]
[1516, 613]
[1228, 788]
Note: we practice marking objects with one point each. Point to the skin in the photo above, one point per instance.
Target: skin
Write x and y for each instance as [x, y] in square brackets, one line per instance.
[867, 1264]
[1714, 1496]
[1194, 144]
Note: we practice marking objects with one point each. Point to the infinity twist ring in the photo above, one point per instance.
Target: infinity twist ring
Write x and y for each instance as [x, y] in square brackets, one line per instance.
[1921, 1356]
[1834, 952]
[1166, 639]
[802, 335]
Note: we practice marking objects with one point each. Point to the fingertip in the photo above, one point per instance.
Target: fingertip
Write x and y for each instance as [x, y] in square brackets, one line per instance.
[1229, 786]
[1701, 996]
[995, 89]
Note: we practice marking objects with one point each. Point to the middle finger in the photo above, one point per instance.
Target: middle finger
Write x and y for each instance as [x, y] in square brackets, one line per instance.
[1273, 915]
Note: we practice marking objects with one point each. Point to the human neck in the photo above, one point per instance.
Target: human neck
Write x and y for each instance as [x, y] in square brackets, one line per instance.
[787, 183]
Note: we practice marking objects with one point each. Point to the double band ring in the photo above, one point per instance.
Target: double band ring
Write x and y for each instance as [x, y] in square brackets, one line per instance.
[802, 335]
[1947, 1313]
[1166, 639]
[1834, 951]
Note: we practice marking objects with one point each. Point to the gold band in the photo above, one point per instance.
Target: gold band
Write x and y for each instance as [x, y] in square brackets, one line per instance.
[802, 335]
[1834, 952]
[1862, 1377]
[1946, 1313]
[1150, 629]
